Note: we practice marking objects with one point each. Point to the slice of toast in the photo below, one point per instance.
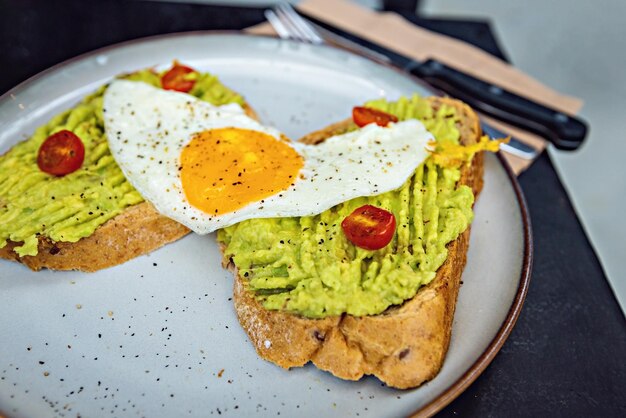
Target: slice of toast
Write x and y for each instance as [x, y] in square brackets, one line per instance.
[138, 230]
[404, 346]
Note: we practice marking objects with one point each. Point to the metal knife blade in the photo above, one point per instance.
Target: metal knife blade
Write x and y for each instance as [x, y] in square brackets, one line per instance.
[514, 146]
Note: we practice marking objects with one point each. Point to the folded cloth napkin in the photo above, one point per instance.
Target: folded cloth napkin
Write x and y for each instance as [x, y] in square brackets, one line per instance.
[394, 32]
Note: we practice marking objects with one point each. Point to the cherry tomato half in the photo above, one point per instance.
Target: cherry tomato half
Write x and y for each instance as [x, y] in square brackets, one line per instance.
[364, 116]
[369, 227]
[61, 153]
[174, 79]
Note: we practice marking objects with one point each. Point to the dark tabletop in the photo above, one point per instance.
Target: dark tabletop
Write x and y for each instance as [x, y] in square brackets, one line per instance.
[567, 354]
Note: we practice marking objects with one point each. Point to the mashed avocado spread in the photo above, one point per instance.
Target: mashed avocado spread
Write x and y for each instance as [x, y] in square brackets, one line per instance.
[307, 266]
[33, 203]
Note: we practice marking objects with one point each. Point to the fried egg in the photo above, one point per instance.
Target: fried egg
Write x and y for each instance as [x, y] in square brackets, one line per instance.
[209, 166]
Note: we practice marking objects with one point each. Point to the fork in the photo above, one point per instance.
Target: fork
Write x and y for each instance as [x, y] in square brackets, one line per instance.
[288, 24]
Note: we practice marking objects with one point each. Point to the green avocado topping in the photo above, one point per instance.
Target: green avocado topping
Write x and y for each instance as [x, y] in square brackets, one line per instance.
[307, 266]
[68, 208]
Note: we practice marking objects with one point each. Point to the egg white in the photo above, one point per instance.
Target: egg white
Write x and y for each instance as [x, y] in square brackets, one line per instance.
[147, 129]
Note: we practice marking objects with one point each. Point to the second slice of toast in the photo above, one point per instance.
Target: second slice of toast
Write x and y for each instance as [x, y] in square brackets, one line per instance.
[403, 346]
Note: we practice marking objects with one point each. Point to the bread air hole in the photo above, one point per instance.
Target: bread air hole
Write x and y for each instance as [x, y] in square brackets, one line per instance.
[319, 336]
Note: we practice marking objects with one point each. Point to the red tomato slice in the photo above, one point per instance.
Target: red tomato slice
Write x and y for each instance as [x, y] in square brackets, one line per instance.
[61, 153]
[369, 227]
[174, 79]
[364, 116]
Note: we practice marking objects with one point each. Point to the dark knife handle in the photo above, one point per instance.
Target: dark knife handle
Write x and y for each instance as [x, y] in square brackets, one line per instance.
[564, 131]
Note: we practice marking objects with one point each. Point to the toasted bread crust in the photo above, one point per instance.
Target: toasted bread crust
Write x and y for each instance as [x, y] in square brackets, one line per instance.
[138, 230]
[404, 346]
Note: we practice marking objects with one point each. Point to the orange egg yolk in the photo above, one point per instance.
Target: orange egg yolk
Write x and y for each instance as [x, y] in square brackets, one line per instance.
[225, 169]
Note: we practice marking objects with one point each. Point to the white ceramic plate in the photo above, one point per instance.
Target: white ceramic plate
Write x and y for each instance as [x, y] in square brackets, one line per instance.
[158, 336]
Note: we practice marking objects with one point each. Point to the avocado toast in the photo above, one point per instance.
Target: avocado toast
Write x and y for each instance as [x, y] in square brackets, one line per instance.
[398, 331]
[91, 218]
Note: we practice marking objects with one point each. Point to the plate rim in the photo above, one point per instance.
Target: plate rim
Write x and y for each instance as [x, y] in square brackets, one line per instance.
[494, 347]
[477, 368]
